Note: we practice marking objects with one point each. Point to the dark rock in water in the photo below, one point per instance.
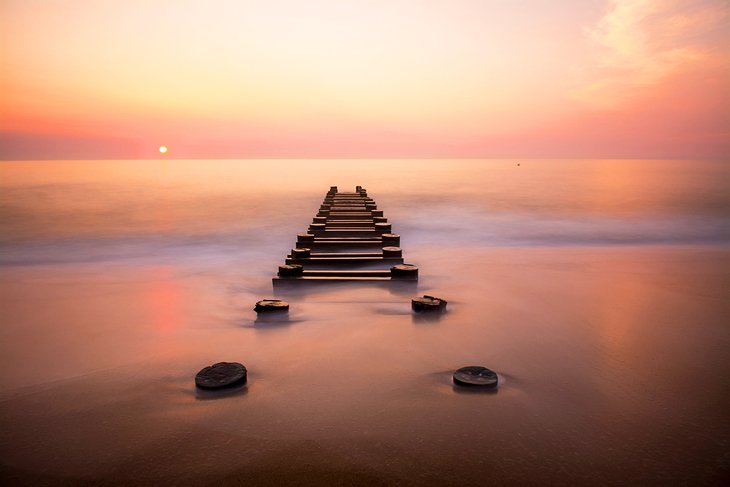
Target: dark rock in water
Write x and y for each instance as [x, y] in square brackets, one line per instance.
[269, 305]
[475, 376]
[428, 303]
[221, 376]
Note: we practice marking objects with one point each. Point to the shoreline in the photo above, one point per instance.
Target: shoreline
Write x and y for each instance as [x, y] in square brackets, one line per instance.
[610, 359]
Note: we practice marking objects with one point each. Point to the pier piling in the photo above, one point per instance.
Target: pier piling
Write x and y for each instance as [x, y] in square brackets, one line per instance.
[348, 233]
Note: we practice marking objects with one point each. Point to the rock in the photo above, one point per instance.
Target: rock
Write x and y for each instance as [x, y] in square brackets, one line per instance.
[428, 303]
[476, 376]
[270, 305]
[221, 376]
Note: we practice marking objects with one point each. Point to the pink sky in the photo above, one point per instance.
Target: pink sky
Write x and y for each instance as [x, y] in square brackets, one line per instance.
[364, 78]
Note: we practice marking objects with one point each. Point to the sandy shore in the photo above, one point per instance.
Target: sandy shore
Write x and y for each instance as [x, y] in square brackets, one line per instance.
[613, 363]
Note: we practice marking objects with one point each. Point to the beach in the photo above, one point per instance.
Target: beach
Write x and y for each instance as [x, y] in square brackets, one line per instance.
[597, 290]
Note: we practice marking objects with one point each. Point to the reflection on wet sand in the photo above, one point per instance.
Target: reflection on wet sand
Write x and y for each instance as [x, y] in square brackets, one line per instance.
[611, 358]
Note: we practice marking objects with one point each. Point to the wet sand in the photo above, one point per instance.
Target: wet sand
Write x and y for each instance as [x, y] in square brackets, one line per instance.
[612, 359]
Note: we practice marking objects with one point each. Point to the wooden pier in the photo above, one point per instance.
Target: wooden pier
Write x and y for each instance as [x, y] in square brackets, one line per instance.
[348, 233]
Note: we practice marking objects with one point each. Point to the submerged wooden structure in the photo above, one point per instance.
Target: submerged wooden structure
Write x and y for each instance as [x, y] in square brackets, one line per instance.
[348, 240]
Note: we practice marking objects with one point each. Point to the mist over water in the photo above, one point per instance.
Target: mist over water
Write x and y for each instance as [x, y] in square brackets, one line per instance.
[142, 209]
[596, 289]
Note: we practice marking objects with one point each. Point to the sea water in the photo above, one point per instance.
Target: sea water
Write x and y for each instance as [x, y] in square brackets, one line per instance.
[597, 289]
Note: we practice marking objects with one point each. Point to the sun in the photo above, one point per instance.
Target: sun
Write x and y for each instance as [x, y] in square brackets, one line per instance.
[163, 149]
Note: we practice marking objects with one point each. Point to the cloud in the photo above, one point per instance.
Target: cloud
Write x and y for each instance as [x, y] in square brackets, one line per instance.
[638, 43]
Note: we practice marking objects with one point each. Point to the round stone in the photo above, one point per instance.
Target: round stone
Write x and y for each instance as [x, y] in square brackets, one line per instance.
[428, 303]
[221, 376]
[269, 305]
[475, 376]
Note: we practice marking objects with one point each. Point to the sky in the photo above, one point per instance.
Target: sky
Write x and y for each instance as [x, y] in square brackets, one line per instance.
[85, 79]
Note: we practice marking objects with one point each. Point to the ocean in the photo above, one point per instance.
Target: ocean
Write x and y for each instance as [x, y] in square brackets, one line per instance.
[596, 289]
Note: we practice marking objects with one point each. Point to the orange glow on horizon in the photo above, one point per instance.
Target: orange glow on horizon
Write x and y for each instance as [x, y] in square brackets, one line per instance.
[364, 79]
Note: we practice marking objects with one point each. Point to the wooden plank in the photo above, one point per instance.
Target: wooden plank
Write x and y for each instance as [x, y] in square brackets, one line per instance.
[346, 273]
[345, 223]
[350, 224]
[342, 244]
[377, 238]
[345, 260]
[346, 232]
[348, 216]
[280, 281]
[345, 254]
[347, 208]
